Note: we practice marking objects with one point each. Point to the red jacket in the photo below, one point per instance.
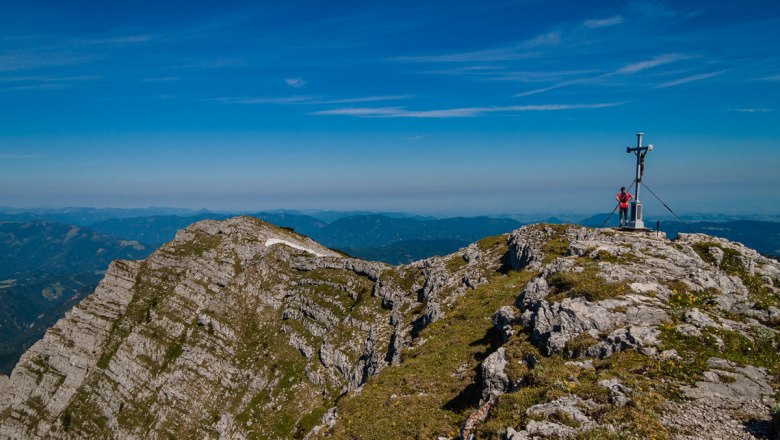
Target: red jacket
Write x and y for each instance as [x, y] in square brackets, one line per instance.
[624, 200]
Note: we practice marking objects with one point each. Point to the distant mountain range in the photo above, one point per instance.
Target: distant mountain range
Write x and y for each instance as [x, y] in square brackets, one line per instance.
[373, 236]
[87, 216]
[159, 229]
[60, 249]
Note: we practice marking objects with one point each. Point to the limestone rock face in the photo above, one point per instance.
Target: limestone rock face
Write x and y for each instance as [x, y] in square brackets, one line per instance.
[210, 328]
[239, 329]
[525, 247]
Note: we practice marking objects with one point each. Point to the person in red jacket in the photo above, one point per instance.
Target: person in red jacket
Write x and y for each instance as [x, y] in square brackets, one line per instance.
[623, 197]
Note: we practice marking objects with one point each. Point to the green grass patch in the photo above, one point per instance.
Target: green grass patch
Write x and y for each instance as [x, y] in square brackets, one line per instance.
[403, 278]
[237, 269]
[762, 351]
[197, 246]
[84, 416]
[586, 284]
[557, 245]
[576, 347]
[173, 351]
[455, 263]
[490, 243]
[683, 298]
[624, 258]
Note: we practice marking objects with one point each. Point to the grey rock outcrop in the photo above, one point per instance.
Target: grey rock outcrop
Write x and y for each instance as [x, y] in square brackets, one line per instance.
[729, 380]
[618, 393]
[494, 377]
[503, 320]
[716, 402]
[568, 407]
[525, 247]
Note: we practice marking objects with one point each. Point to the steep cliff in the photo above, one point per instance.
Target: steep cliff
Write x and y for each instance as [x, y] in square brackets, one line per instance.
[239, 329]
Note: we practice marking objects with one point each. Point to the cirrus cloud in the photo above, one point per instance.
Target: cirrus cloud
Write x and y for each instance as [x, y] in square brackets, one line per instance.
[463, 112]
[603, 22]
[295, 82]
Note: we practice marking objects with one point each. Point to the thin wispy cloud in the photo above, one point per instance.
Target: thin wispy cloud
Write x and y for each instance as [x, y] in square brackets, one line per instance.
[628, 69]
[539, 76]
[503, 54]
[49, 51]
[603, 22]
[362, 99]
[464, 112]
[37, 87]
[478, 70]
[688, 79]
[304, 99]
[770, 78]
[753, 110]
[295, 82]
[114, 41]
[42, 82]
[162, 79]
[516, 52]
[546, 89]
[46, 79]
[416, 138]
[264, 100]
[657, 61]
[548, 39]
[15, 61]
[214, 64]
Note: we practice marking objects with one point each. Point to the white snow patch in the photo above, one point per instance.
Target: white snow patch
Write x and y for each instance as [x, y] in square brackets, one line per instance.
[273, 241]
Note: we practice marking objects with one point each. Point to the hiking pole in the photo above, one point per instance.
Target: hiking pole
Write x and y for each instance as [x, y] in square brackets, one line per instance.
[610, 215]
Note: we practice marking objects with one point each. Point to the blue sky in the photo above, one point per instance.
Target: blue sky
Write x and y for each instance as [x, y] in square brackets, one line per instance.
[448, 107]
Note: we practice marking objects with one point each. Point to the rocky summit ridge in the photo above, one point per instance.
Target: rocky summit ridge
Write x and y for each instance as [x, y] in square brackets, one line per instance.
[239, 329]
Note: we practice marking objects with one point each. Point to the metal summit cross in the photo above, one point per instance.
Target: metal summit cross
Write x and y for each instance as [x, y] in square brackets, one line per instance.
[636, 205]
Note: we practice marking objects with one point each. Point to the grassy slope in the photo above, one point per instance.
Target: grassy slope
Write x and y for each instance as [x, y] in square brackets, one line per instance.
[433, 390]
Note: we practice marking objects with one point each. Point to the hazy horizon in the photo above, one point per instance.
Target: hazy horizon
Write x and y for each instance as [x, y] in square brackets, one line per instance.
[654, 210]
